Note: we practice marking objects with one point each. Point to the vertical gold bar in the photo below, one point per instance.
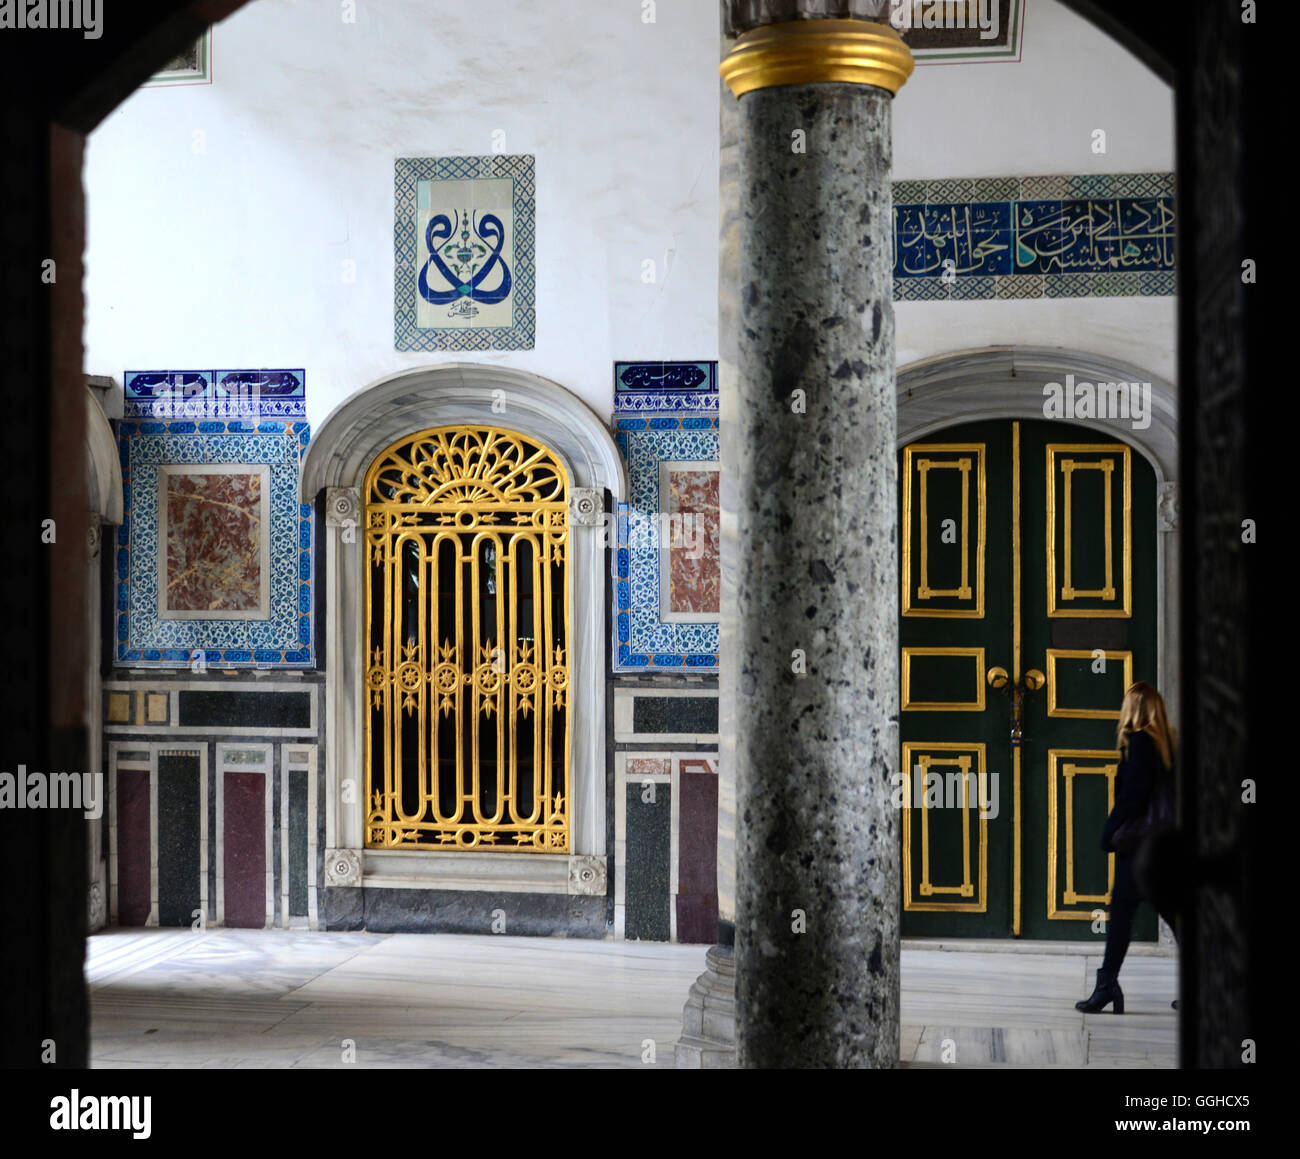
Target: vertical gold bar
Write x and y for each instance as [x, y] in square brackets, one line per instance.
[925, 826]
[923, 469]
[1016, 831]
[501, 659]
[1107, 474]
[1067, 471]
[963, 767]
[965, 526]
[1067, 782]
[476, 653]
[542, 695]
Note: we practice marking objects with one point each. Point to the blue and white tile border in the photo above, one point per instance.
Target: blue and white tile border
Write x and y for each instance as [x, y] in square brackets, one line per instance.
[142, 639]
[642, 641]
[408, 173]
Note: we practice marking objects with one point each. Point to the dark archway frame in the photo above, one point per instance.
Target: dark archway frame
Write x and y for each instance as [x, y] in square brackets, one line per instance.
[58, 87]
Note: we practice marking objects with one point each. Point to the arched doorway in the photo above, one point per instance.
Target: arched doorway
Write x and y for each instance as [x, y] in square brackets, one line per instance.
[1036, 560]
[467, 621]
[1029, 599]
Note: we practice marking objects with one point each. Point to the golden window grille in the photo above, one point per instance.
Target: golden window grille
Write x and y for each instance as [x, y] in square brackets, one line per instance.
[467, 613]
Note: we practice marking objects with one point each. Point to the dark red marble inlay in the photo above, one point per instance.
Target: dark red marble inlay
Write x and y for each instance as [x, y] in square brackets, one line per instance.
[244, 840]
[132, 847]
[214, 537]
[697, 857]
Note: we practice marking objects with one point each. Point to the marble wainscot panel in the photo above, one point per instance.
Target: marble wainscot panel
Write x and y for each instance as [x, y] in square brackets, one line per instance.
[214, 554]
[666, 560]
[665, 847]
[209, 816]
[1101, 235]
[463, 253]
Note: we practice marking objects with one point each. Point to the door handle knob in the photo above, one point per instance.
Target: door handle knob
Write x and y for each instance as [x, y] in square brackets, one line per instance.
[1034, 680]
[997, 677]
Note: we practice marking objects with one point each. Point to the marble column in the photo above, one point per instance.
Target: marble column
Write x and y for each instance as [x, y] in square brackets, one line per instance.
[816, 651]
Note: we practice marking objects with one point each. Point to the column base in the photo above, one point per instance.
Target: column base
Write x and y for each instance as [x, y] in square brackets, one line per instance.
[708, 1040]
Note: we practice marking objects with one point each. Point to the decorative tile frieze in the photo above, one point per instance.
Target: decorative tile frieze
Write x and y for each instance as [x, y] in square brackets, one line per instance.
[464, 255]
[214, 394]
[1096, 235]
[665, 387]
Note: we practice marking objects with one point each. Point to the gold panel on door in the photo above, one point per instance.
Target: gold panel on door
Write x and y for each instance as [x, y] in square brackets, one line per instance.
[963, 785]
[1114, 598]
[921, 597]
[1063, 767]
[915, 704]
[1054, 706]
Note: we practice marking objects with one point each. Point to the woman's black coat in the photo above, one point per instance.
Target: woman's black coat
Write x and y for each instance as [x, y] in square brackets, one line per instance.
[1134, 782]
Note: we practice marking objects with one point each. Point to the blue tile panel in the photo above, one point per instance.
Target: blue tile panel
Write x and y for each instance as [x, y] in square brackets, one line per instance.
[665, 387]
[200, 395]
[407, 248]
[642, 641]
[142, 639]
[1105, 235]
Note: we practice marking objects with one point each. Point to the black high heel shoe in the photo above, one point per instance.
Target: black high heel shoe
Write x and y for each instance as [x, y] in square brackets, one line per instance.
[1106, 992]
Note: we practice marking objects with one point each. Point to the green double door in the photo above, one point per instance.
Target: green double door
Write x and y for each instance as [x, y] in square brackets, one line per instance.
[1028, 591]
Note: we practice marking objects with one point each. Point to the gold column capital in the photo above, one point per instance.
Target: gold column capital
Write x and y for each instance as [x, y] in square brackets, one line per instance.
[862, 52]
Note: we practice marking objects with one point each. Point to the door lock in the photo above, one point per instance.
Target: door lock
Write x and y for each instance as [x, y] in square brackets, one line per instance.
[1031, 681]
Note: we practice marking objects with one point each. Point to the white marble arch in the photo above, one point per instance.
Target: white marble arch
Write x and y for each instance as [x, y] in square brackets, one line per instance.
[340, 452]
[1006, 382]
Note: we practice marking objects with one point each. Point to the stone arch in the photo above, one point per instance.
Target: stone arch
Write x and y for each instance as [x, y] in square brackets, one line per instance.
[340, 453]
[1006, 382]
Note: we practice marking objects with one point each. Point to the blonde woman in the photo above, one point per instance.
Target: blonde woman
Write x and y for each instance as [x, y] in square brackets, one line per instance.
[1144, 796]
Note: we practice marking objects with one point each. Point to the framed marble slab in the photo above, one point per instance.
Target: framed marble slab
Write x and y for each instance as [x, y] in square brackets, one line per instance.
[256, 616]
[654, 447]
[690, 579]
[214, 541]
[464, 253]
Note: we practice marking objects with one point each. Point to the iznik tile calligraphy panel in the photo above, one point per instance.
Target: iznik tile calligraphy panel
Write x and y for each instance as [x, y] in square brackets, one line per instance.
[665, 387]
[1057, 237]
[464, 253]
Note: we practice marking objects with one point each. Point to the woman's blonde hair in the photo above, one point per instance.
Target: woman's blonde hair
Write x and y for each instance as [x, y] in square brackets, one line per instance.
[1143, 710]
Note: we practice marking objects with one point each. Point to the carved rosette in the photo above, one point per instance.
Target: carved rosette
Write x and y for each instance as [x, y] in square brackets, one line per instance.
[342, 506]
[94, 534]
[586, 507]
[1167, 507]
[587, 876]
[343, 868]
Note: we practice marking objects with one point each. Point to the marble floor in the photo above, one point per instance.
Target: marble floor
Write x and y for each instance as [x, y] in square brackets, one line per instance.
[272, 998]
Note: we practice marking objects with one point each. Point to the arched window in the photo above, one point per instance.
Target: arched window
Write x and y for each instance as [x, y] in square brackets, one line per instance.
[467, 600]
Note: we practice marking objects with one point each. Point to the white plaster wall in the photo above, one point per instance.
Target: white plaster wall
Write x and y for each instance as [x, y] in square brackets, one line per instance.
[232, 256]
[1037, 116]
